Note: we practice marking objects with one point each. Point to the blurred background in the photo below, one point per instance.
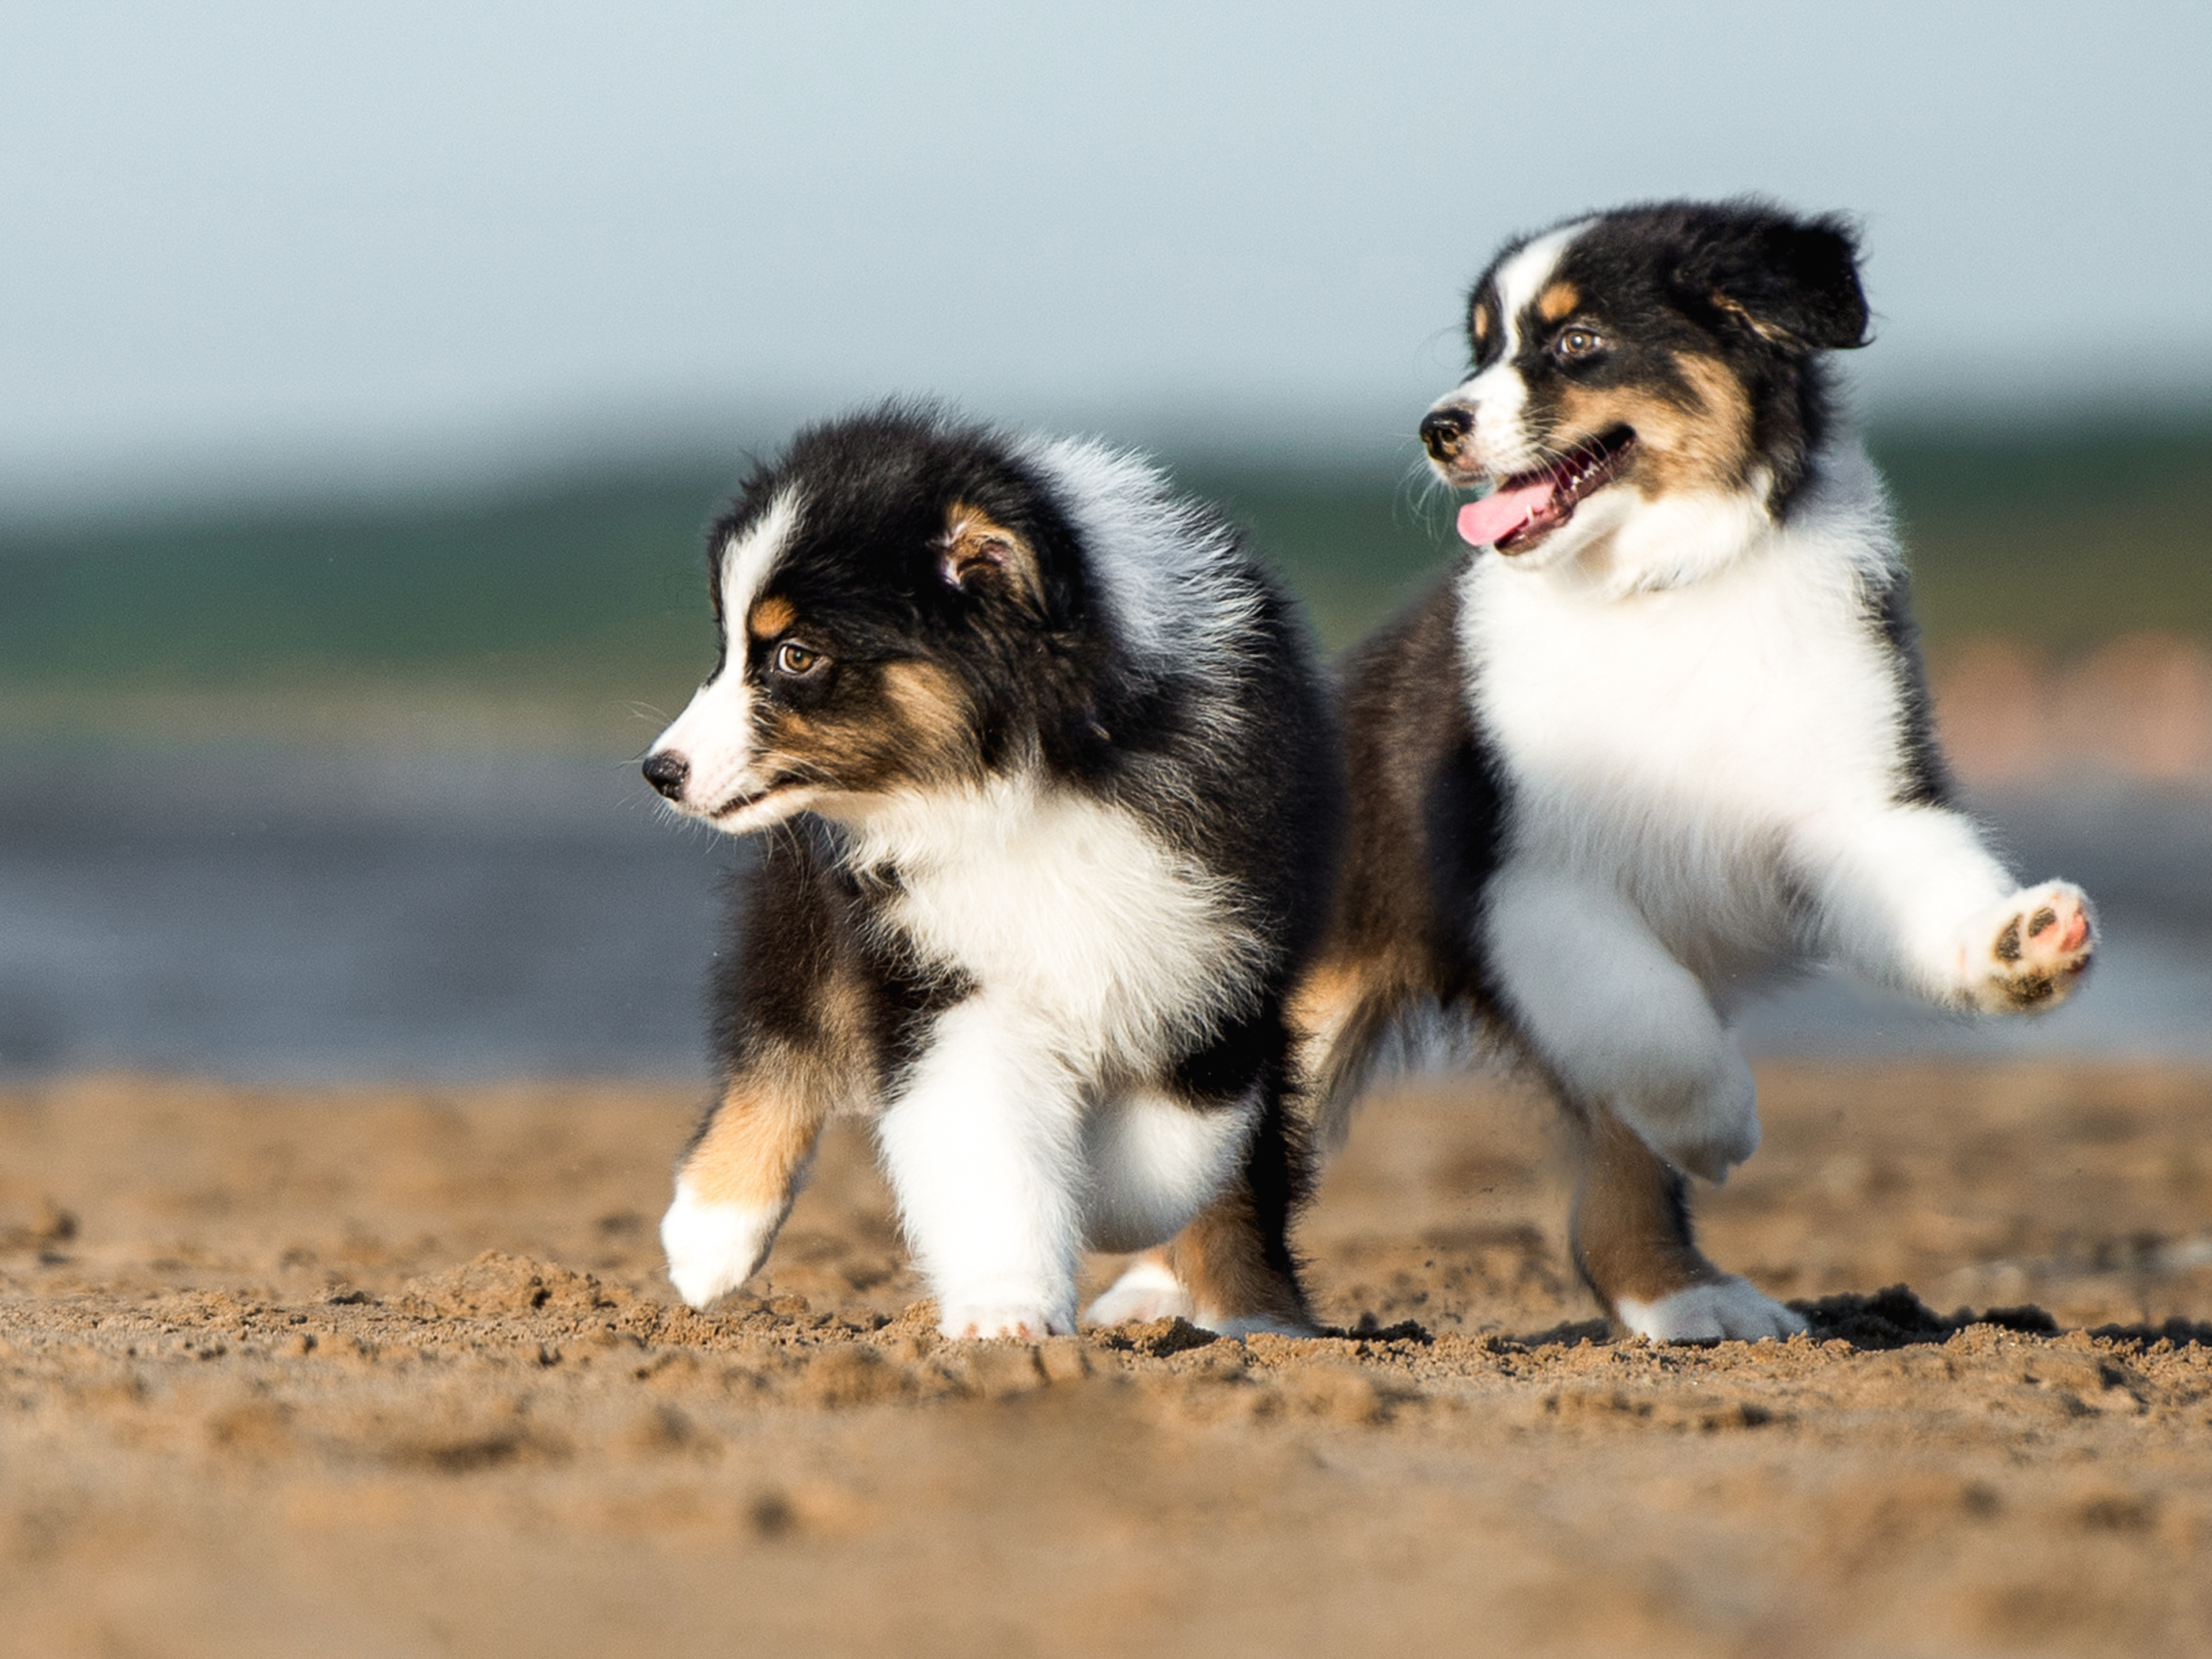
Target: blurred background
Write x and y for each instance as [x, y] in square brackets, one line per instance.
[369, 372]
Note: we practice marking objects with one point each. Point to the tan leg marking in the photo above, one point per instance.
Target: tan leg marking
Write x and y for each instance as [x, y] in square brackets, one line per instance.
[1219, 1259]
[1631, 1217]
[754, 1148]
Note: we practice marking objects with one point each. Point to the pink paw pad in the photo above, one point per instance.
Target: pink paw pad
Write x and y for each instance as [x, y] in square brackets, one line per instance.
[2044, 947]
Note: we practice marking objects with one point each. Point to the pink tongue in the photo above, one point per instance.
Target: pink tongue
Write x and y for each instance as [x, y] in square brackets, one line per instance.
[1483, 522]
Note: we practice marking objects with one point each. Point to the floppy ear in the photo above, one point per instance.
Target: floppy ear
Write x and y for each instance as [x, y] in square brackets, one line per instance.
[1794, 284]
[976, 552]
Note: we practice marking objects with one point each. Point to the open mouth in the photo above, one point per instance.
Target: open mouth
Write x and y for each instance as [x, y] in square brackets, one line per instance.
[1529, 505]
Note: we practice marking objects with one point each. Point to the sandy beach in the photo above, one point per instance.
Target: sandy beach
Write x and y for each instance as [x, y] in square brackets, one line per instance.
[394, 1371]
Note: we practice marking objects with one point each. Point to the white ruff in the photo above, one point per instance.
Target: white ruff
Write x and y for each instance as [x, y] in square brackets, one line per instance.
[1068, 913]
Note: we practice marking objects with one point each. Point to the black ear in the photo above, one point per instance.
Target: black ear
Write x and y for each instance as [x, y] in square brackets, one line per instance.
[1793, 283]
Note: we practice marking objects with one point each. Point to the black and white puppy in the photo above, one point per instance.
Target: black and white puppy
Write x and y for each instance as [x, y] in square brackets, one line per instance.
[1055, 800]
[1662, 738]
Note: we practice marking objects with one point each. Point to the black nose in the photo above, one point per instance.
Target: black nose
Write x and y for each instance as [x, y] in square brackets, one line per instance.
[1442, 430]
[666, 772]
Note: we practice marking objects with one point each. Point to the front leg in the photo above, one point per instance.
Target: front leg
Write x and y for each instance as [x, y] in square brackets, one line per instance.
[1912, 899]
[736, 1184]
[984, 1147]
[1618, 1021]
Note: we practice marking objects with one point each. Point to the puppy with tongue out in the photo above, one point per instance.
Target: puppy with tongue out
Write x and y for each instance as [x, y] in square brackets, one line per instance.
[1660, 741]
[1648, 407]
[1692, 694]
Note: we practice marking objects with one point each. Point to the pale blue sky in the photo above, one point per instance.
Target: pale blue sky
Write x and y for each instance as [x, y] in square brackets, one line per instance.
[242, 244]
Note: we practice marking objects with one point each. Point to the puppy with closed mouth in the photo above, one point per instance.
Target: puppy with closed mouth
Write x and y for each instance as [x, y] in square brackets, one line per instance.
[1661, 739]
[1054, 793]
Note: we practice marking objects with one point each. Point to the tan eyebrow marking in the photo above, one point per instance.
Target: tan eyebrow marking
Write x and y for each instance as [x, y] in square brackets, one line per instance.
[1482, 323]
[771, 616]
[1557, 301]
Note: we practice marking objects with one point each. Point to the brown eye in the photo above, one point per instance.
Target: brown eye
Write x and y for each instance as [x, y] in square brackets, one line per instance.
[1580, 341]
[795, 660]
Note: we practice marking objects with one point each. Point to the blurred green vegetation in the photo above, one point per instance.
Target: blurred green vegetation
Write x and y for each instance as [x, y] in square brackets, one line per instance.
[2060, 536]
[591, 593]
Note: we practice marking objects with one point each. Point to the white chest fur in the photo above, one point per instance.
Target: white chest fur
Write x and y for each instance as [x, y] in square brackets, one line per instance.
[1064, 908]
[1674, 742]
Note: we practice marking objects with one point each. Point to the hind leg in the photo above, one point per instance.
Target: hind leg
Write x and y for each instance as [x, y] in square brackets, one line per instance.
[1147, 1289]
[1231, 1270]
[1634, 1249]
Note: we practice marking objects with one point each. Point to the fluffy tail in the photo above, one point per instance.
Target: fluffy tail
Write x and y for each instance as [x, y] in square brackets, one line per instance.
[1356, 1027]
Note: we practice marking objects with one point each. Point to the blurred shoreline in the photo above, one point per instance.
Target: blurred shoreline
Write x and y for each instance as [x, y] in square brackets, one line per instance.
[281, 912]
[2138, 708]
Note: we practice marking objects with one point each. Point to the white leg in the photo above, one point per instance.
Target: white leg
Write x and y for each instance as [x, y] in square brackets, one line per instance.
[1620, 1021]
[1912, 899]
[1152, 1162]
[984, 1151]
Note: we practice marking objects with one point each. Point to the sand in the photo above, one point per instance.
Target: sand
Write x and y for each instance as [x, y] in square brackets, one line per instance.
[393, 1371]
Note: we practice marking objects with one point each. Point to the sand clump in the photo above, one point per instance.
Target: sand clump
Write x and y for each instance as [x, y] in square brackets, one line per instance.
[387, 1370]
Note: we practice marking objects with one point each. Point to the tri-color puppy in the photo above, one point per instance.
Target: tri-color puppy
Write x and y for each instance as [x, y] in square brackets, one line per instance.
[1661, 738]
[1055, 799]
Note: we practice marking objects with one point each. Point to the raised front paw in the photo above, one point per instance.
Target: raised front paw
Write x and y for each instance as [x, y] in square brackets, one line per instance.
[1712, 1156]
[2031, 952]
[714, 1248]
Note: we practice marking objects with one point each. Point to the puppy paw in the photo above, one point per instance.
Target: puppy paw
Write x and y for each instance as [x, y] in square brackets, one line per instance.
[1147, 1289]
[714, 1248]
[1723, 1310]
[1707, 1124]
[1026, 1321]
[2031, 951]
[1716, 1155]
